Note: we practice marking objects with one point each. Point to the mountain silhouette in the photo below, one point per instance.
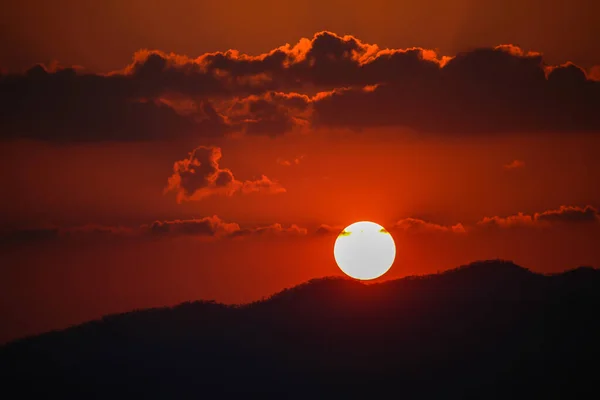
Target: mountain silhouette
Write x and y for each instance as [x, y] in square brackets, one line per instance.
[490, 329]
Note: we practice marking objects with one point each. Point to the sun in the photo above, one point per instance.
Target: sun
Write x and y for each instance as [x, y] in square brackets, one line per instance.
[364, 250]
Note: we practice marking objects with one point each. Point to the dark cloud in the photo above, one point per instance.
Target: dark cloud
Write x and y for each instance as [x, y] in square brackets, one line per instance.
[208, 226]
[488, 90]
[562, 215]
[216, 227]
[271, 114]
[415, 225]
[510, 221]
[569, 214]
[482, 91]
[200, 176]
[272, 230]
[64, 106]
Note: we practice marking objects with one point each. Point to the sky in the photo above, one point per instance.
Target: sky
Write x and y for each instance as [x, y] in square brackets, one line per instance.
[155, 152]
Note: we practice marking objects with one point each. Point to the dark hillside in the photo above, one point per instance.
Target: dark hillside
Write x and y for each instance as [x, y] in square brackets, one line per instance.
[487, 330]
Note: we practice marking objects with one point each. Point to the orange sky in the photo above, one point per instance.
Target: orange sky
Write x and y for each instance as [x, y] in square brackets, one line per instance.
[102, 35]
[184, 175]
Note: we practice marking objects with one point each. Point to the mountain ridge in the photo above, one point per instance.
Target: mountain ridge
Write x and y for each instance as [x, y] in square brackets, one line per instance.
[494, 321]
[485, 266]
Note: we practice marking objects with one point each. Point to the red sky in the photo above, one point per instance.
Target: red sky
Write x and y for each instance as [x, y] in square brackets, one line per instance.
[142, 178]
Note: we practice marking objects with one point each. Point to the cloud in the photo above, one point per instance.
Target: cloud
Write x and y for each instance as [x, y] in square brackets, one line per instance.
[207, 226]
[519, 219]
[214, 227]
[569, 214]
[415, 225]
[562, 215]
[271, 114]
[264, 185]
[328, 81]
[288, 163]
[325, 229]
[478, 92]
[63, 106]
[515, 164]
[200, 176]
[272, 230]
[211, 227]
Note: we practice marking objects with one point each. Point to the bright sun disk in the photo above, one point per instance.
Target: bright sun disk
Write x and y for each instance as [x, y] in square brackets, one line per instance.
[364, 250]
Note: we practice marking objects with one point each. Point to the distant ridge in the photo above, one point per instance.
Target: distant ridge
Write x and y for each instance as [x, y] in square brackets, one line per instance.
[489, 329]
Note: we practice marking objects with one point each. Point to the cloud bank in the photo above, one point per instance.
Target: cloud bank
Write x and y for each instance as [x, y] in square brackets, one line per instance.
[562, 215]
[217, 228]
[328, 81]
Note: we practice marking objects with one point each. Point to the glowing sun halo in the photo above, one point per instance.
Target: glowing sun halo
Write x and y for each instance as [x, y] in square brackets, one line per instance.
[364, 250]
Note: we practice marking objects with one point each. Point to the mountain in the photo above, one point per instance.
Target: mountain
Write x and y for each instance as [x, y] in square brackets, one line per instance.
[490, 329]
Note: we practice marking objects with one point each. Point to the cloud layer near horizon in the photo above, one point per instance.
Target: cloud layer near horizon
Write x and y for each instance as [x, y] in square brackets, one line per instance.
[328, 81]
[214, 227]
